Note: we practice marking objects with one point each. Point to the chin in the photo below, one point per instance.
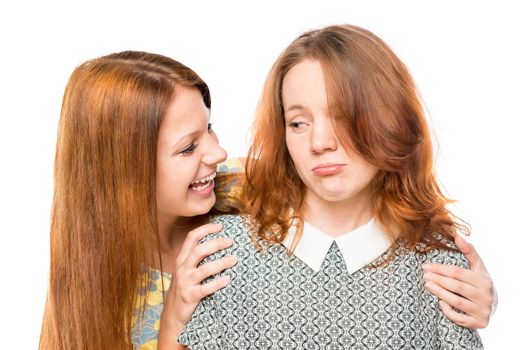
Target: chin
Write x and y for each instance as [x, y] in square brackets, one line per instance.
[335, 194]
[334, 198]
[203, 208]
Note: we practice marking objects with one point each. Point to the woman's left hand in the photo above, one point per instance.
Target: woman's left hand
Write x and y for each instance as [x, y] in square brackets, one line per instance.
[468, 290]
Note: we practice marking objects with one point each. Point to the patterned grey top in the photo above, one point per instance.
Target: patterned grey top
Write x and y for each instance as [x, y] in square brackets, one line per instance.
[276, 301]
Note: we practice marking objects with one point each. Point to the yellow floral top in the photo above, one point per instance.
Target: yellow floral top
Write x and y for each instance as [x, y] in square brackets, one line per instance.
[146, 326]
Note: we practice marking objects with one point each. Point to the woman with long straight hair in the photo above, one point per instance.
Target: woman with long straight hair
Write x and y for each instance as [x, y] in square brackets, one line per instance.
[134, 181]
[343, 211]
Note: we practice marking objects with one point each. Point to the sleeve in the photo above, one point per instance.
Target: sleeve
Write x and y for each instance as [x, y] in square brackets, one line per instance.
[204, 331]
[146, 322]
[451, 335]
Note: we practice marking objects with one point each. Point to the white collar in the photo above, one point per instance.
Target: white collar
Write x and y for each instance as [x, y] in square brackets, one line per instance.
[358, 247]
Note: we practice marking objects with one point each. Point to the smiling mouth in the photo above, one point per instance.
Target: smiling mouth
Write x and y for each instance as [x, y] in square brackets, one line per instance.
[203, 184]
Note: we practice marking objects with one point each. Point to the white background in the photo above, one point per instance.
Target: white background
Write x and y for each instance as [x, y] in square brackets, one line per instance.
[466, 57]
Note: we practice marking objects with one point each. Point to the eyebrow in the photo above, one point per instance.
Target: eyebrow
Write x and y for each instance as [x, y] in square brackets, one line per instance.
[294, 107]
[181, 141]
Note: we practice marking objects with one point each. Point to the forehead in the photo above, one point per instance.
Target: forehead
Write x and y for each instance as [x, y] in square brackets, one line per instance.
[186, 107]
[186, 113]
[304, 85]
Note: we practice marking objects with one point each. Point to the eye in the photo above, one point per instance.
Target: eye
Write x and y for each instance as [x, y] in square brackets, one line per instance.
[297, 125]
[188, 150]
[209, 126]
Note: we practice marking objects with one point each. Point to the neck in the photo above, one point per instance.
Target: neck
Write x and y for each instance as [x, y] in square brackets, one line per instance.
[337, 217]
[172, 234]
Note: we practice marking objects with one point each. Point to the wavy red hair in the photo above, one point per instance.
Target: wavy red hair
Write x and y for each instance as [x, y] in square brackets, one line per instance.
[376, 112]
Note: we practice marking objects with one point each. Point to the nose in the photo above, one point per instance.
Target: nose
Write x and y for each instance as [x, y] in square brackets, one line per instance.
[323, 137]
[213, 154]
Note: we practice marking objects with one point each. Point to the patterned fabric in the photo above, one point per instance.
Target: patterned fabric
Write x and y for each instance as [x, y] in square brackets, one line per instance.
[232, 165]
[146, 326]
[144, 334]
[275, 301]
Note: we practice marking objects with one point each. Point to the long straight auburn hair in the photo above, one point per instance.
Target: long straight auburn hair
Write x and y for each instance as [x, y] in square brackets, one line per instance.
[377, 113]
[104, 218]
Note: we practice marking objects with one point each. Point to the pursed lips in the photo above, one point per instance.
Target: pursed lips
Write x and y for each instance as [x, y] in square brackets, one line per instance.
[327, 169]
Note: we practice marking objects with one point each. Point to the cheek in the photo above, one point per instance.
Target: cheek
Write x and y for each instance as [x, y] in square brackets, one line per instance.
[365, 172]
[298, 149]
[172, 180]
[295, 151]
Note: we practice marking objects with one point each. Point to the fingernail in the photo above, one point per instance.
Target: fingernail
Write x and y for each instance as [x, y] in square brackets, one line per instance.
[229, 241]
[430, 285]
[233, 258]
[425, 276]
[425, 267]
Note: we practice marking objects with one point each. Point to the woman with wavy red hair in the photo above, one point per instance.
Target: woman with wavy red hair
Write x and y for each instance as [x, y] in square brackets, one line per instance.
[344, 211]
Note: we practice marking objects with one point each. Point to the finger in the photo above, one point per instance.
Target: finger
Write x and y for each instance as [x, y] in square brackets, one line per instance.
[450, 298]
[452, 271]
[463, 289]
[211, 287]
[202, 250]
[212, 268]
[475, 262]
[459, 318]
[194, 236]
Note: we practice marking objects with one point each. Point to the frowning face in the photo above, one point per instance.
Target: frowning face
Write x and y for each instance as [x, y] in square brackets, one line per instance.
[330, 172]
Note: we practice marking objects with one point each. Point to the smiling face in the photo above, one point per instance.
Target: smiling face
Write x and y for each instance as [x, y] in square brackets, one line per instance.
[331, 173]
[187, 155]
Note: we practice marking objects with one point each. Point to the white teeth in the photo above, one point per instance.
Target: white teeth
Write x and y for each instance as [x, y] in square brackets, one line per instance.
[204, 180]
[200, 188]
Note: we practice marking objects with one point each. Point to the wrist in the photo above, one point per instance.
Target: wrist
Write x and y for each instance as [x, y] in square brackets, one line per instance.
[172, 326]
[168, 337]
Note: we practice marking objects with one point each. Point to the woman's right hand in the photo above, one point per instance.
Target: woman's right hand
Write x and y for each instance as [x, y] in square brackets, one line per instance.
[186, 289]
